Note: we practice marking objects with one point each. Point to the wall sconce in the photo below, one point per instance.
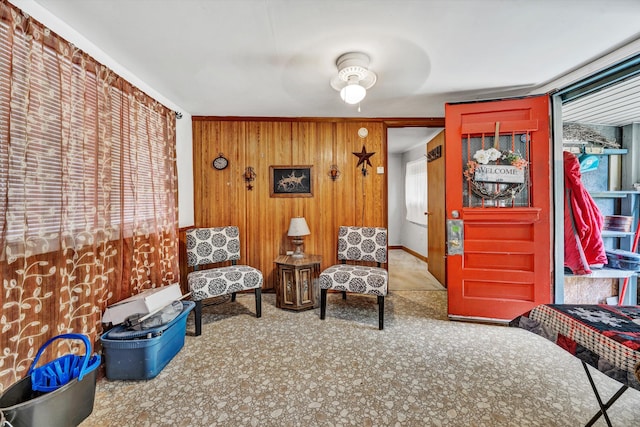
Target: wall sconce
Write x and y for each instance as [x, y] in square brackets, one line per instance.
[334, 173]
[249, 176]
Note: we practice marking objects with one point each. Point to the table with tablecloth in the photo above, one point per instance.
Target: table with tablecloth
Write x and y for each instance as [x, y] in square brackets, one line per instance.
[604, 336]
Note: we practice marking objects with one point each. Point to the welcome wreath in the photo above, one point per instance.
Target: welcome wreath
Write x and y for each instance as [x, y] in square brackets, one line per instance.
[494, 190]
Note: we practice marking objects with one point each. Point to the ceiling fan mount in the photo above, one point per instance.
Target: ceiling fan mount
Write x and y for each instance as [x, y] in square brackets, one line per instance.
[354, 77]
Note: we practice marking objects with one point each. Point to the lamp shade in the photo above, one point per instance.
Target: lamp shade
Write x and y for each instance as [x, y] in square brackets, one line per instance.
[353, 93]
[298, 227]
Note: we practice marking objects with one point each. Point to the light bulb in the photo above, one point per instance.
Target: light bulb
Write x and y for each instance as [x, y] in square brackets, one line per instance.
[353, 93]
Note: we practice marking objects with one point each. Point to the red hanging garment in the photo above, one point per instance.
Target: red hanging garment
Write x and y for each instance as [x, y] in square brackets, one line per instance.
[583, 221]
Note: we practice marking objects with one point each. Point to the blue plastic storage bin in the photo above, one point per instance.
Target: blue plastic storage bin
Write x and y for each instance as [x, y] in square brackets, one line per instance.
[143, 358]
[623, 260]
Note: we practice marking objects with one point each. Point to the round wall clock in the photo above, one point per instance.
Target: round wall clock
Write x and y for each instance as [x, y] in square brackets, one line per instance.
[220, 162]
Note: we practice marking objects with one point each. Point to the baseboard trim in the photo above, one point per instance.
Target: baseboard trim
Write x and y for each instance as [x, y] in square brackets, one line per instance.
[489, 320]
[415, 254]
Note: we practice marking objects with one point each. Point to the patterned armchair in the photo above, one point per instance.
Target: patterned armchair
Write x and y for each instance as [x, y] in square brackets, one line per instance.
[358, 244]
[212, 246]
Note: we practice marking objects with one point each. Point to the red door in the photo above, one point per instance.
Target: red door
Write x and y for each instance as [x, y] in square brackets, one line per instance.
[498, 207]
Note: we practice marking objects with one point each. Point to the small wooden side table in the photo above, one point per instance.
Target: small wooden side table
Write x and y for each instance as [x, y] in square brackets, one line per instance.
[297, 287]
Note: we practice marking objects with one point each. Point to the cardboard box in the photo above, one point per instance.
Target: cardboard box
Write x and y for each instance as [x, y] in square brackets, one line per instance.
[145, 302]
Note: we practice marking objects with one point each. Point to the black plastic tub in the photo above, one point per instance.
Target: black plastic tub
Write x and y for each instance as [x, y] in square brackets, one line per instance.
[67, 406]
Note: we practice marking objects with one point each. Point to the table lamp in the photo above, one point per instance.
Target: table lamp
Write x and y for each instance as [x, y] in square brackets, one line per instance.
[298, 228]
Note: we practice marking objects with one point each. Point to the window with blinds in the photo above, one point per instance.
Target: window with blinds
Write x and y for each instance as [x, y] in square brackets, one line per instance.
[67, 175]
[4, 121]
[415, 189]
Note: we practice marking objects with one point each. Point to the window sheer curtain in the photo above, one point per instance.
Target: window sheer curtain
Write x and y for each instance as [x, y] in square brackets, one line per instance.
[88, 191]
[415, 188]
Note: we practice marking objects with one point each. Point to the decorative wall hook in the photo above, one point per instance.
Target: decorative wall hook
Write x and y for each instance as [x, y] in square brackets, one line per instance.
[249, 176]
[334, 173]
[363, 159]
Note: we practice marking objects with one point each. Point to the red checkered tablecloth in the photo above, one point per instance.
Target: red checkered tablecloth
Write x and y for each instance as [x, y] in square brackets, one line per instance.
[610, 332]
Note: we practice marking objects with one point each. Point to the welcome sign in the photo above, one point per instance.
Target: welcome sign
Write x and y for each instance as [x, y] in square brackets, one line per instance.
[499, 173]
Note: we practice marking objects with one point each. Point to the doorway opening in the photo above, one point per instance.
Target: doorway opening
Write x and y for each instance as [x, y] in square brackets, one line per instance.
[597, 128]
[408, 233]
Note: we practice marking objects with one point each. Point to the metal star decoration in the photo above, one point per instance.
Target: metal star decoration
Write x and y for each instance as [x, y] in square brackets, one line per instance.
[363, 157]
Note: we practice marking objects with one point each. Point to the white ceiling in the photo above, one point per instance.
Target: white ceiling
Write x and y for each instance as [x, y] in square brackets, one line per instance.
[275, 58]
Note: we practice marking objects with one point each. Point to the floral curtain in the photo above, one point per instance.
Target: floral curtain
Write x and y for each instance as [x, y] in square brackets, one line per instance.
[88, 192]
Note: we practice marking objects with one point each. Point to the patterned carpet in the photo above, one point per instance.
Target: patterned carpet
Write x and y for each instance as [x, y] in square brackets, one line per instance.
[292, 369]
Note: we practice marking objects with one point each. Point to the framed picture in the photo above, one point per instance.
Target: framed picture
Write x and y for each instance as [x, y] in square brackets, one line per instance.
[291, 181]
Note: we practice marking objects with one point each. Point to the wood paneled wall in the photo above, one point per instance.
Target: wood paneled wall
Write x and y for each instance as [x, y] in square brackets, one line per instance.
[222, 197]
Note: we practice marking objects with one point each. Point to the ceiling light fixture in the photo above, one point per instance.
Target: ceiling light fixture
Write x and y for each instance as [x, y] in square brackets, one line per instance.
[354, 77]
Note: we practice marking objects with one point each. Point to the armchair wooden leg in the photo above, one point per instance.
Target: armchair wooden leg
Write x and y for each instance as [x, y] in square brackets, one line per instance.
[198, 317]
[344, 294]
[258, 302]
[233, 297]
[323, 303]
[380, 312]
